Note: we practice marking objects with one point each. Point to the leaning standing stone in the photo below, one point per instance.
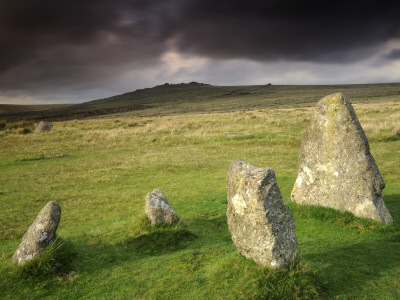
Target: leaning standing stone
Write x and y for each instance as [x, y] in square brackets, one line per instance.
[261, 225]
[43, 126]
[158, 209]
[336, 168]
[40, 234]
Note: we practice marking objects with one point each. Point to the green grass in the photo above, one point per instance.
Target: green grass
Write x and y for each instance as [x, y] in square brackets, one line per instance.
[100, 171]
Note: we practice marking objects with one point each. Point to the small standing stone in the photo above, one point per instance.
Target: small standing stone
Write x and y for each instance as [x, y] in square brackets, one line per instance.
[261, 224]
[158, 209]
[336, 167]
[40, 234]
[43, 126]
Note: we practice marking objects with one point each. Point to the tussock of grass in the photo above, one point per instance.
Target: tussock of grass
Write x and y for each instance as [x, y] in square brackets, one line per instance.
[25, 131]
[300, 283]
[247, 280]
[57, 260]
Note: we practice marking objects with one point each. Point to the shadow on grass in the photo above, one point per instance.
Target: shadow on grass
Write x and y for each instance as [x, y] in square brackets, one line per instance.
[348, 266]
[147, 241]
[211, 229]
[64, 257]
[393, 205]
[347, 269]
[159, 242]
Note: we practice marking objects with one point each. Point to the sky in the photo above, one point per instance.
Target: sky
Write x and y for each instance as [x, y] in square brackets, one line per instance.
[70, 51]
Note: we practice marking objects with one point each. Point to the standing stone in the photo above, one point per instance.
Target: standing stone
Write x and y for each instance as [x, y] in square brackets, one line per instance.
[40, 234]
[261, 225]
[158, 209]
[43, 126]
[336, 168]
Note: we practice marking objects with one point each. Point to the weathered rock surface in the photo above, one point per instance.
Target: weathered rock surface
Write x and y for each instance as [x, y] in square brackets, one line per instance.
[40, 234]
[43, 126]
[336, 168]
[261, 225]
[158, 209]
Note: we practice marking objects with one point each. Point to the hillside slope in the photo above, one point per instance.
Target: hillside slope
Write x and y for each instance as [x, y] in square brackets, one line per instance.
[17, 109]
[171, 99]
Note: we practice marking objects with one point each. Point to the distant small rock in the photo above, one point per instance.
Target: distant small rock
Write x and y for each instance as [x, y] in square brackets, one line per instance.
[43, 126]
[158, 209]
[70, 276]
[40, 234]
[261, 224]
[234, 135]
[336, 167]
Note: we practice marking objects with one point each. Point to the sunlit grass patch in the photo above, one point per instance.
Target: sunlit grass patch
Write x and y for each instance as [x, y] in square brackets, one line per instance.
[100, 171]
[248, 280]
[342, 219]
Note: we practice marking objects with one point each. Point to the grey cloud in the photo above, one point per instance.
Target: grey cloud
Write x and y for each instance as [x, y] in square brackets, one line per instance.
[80, 45]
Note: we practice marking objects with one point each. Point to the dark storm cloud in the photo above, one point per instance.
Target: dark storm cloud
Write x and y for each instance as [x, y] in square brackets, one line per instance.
[395, 54]
[329, 31]
[61, 38]
[78, 44]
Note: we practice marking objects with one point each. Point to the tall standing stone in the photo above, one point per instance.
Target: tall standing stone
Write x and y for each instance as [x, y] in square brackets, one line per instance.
[40, 234]
[43, 126]
[336, 168]
[261, 224]
[158, 209]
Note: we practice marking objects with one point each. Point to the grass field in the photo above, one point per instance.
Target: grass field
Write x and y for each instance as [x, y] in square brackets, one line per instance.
[100, 170]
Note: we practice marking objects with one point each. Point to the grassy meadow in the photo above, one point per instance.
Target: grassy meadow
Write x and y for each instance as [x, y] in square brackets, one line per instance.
[99, 171]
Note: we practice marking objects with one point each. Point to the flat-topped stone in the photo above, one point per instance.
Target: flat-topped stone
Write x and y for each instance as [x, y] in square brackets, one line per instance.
[261, 224]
